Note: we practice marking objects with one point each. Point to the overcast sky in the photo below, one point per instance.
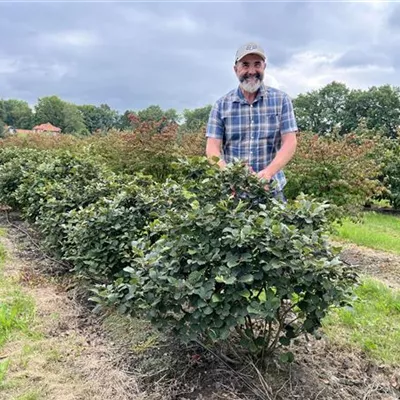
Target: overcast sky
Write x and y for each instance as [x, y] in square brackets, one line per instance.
[180, 54]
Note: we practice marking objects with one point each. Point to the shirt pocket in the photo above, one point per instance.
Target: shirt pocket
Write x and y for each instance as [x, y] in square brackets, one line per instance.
[235, 134]
[270, 125]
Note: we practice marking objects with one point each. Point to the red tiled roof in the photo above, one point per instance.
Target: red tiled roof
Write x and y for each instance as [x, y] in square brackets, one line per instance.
[47, 127]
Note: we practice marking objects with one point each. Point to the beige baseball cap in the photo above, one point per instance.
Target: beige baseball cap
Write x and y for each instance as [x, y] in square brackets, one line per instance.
[250, 48]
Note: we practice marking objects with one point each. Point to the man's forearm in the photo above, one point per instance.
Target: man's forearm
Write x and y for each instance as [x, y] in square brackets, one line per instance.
[213, 149]
[282, 157]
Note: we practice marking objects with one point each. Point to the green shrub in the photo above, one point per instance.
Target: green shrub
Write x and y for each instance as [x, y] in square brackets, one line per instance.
[209, 253]
[62, 172]
[145, 150]
[233, 261]
[15, 166]
[98, 237]
[342, 171]
[391, 171]
[58, 186]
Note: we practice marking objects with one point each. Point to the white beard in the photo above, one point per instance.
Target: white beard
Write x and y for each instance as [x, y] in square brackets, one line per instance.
[251, 85]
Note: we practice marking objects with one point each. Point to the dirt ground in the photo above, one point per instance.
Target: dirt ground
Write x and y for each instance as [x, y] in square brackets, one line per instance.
[72, 360]
[382, 265]
[116, 359]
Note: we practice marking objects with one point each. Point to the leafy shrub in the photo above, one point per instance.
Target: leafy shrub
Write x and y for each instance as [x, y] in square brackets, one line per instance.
[98, 237]
[233, 261]
[57, 169]
[390, 156]
[150, 147]
[342, 171]
[15, 166]
[58, 186]
[209, 253]
[41, 141]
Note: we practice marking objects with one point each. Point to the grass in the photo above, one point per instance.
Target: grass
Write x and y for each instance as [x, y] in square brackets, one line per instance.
[35, 395]
[372, 324]
[17, 311]
[377, 231]
[16, 314]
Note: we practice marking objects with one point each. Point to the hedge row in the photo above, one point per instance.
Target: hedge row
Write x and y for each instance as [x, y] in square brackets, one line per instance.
[347, 171]
[208, 253]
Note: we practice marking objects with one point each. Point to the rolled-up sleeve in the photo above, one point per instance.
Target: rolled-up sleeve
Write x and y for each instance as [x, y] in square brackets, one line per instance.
[288, 119]
[215, 126]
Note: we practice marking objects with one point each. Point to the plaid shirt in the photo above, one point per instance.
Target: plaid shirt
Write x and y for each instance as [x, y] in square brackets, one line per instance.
[252, 132]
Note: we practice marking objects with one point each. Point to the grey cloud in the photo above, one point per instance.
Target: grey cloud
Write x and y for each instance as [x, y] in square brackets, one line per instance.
[359, 58]
[394, 19]
[180, 55]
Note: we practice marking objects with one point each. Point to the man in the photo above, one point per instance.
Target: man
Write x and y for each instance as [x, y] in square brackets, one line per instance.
[253, 122]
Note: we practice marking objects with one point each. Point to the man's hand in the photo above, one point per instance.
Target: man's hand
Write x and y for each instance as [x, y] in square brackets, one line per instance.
[264, 174]
[265, 177]
[221, 163]
[213, 152]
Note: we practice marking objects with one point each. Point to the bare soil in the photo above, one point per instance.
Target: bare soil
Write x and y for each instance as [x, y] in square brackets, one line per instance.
[379, 264]
[112, 357]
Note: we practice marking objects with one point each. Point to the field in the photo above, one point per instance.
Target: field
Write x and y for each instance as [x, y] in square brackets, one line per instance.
[69, 279]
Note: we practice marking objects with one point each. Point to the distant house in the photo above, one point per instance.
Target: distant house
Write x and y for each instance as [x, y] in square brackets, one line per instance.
[10, 130]
[47, 128]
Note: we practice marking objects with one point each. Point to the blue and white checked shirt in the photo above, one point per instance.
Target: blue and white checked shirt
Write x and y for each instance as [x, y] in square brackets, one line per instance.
[252, 132]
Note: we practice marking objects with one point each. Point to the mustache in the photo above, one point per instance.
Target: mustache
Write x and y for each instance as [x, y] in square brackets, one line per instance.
[244, 77]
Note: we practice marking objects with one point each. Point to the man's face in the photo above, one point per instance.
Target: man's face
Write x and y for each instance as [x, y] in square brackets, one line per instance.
[250, 72]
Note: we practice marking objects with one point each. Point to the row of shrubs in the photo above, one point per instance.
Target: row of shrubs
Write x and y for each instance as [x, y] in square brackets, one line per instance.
[349, 171]
[207, 253]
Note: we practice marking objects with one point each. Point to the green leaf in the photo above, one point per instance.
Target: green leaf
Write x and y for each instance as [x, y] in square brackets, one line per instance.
[287, 357]
[228, 281]
[208, 310]
[246, 279]
[194, 277]
[130, 270]
[216, 298]
[245, 293]
[285, 341]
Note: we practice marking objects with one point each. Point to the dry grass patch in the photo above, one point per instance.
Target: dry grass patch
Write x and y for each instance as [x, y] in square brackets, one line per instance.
[56, 354]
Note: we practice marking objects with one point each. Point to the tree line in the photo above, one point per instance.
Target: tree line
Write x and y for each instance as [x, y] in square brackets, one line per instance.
[86, 119]
[333, 108]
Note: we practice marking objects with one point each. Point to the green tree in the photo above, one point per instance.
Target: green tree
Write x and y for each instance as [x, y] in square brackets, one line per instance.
[90, 116]
[73, 121]
[2, 116]
[108, 117]
[50, 109]
[64, 115]
[99, 118]
[336, 107]
[197, 118]
[16, 113]
[155, 113]
[2, 129]
[124, 121]
[322, 110]
[378, 107]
